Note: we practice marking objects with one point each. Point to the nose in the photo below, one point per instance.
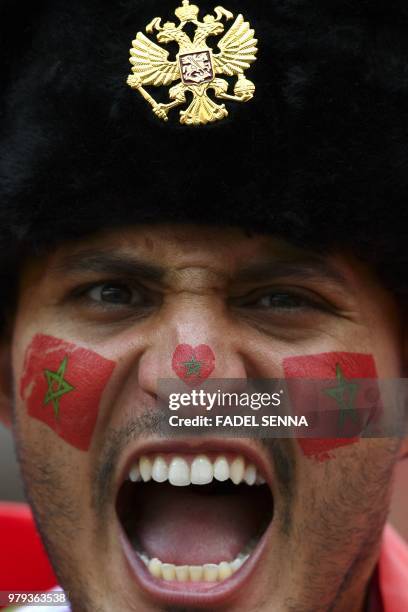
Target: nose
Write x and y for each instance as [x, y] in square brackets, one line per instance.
[192, 343]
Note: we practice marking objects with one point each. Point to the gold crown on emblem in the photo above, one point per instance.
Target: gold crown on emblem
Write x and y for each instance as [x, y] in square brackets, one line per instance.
[187, 12]
[196, 66]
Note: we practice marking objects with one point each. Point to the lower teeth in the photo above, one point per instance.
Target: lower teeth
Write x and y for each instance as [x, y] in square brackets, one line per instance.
[210, 572]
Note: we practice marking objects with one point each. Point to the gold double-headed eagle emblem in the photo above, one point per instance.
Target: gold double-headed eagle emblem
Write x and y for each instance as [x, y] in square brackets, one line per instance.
[196, 65]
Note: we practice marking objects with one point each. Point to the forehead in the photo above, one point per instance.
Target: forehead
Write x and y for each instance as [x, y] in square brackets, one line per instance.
[175, 247]
[179, 243]
[178, 254]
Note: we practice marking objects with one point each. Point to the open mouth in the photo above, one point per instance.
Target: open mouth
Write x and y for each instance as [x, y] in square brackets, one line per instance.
[192, 522]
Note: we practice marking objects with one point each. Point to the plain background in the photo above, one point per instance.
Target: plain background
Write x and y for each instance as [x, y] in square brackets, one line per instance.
[11, 488]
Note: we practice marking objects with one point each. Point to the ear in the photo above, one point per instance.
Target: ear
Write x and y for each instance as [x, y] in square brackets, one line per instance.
[403, 452]
[6, 386]
[404, 374]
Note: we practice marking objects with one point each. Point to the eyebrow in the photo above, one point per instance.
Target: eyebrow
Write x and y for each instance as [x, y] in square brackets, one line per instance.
[311, 268]
[116, 264]
[129, 266]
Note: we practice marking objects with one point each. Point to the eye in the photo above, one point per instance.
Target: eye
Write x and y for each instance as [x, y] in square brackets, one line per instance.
[116, 294]
[281, 300]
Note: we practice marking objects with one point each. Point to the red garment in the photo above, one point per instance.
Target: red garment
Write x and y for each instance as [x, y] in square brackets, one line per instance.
[393, 572]
[24, 565]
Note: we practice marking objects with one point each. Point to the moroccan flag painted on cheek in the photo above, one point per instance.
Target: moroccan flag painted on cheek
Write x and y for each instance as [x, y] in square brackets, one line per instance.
[62, 386]
[344, 393]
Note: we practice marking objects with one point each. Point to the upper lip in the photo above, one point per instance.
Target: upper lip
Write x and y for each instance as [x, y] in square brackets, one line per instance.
[196, 446]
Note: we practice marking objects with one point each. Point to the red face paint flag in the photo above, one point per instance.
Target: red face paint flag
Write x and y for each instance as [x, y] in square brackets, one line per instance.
[62, 385]
[342, 368]
[193, 365]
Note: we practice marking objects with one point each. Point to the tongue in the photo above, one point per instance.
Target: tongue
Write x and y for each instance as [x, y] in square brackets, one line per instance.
[192, 526]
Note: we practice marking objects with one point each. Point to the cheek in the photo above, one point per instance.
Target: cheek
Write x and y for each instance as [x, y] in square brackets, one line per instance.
[62, 385]
[341, 367]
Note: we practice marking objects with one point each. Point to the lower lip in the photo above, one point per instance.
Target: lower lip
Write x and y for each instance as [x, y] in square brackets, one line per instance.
[201, 594]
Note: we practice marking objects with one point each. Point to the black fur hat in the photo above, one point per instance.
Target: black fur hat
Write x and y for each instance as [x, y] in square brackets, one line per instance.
[319, 155]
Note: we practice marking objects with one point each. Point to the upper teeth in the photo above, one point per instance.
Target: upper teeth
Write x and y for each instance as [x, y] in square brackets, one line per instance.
[198, 470]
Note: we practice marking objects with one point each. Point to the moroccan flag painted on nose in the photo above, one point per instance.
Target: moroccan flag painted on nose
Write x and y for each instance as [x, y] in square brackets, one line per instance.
[62, 385]
[340, 401]
[193, 364]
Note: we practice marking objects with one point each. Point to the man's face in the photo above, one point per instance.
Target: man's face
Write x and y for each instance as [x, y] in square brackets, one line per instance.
[98, 325]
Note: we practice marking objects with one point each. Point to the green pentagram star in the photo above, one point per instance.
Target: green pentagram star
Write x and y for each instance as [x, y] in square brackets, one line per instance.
[57, 386]
[344, 394]
[192, 367]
